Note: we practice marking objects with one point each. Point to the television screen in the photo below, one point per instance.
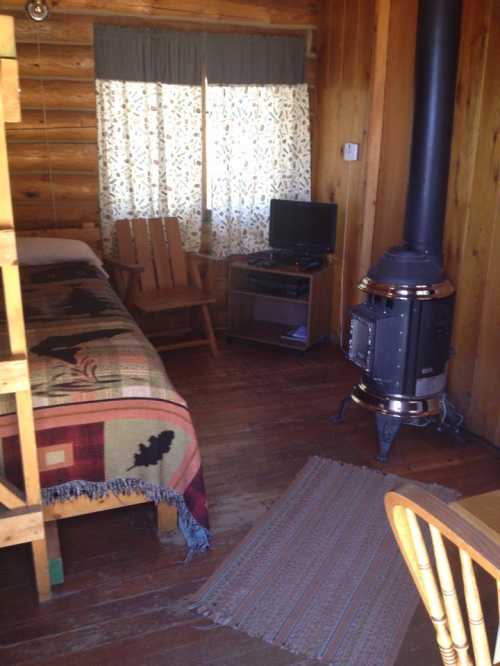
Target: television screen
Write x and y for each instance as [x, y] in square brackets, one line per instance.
[302, 226]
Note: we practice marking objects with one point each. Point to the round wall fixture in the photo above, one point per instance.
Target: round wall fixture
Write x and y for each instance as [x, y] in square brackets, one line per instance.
[37, 10]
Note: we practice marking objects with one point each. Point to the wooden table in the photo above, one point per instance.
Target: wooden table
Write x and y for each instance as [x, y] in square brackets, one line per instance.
[482, 510]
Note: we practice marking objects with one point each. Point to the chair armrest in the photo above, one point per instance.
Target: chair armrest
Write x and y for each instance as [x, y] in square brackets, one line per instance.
[120, 265]
[200, 257]
[125, 279]
[195, 260]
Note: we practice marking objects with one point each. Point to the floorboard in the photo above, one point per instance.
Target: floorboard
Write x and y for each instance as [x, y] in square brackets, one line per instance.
[260, 413]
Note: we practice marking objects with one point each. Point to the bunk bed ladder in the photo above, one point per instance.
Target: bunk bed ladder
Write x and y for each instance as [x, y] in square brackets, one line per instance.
[21, 514]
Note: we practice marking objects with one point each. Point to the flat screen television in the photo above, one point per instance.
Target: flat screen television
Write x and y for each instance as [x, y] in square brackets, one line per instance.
[302, 226]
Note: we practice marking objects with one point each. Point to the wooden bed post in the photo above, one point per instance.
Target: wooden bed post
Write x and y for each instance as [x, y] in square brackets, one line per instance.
[21, 516]
[166, 518]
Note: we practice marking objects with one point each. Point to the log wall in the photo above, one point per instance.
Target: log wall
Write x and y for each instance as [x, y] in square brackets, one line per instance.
[53, 151]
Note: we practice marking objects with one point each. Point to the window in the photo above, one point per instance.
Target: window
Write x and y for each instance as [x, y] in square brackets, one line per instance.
[158, 158]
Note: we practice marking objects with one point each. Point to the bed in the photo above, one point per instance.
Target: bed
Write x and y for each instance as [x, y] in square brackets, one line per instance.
[111, 428]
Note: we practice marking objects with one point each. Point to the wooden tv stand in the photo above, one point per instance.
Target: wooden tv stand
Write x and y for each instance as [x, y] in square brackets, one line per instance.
[265, 315]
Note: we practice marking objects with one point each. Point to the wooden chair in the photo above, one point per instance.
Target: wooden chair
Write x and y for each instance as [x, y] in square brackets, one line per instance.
[476, 543]
[154, 274]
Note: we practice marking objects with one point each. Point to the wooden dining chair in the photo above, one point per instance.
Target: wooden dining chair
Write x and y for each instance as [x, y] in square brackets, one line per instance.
[153, 274]
[476, 543]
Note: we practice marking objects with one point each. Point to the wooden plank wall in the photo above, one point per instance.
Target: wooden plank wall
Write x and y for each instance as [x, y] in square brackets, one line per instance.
[472, 230]
[397, 127]
[473, 221]
[53, 154]
[345, 60]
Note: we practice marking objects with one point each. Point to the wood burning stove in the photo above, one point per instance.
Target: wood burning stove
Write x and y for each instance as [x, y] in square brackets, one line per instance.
[400, 336]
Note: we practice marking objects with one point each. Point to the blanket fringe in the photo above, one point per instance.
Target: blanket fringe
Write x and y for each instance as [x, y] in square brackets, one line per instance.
[197, 537]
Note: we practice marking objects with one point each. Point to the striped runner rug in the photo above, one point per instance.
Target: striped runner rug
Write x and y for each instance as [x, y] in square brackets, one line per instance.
[320, 574]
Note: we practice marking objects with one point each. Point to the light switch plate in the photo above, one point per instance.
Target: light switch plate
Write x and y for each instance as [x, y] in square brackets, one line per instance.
[350, 152]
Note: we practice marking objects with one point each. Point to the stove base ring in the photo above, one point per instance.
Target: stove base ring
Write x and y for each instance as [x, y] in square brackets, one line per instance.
[401, 407]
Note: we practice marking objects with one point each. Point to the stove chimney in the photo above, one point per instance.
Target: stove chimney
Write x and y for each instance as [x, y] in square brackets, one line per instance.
[435, 74]
[400, 336]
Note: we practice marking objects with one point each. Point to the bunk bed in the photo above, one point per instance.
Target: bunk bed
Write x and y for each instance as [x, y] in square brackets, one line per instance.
[111, 429]
[21, 517]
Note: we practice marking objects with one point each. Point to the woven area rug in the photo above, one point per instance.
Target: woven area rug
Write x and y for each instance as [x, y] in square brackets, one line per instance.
[321, 574]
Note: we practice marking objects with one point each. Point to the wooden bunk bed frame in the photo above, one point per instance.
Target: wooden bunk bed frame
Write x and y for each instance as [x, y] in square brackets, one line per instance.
[22, 517]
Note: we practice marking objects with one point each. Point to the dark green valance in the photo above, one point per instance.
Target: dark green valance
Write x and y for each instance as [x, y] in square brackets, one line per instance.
[143, 54]
[247, 59]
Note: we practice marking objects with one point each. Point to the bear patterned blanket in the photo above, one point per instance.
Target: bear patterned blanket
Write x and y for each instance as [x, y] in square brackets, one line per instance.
[108, 419]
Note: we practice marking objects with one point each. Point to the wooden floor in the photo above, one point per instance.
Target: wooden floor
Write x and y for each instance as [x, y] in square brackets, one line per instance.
[260, 413]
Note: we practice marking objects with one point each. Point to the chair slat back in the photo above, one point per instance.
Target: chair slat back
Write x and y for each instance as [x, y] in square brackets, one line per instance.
[475, 612]
[160, 254]
[155, 244]
[126, 250]
[437, 588]
[144, 254]
[450, 598]
[177, 255]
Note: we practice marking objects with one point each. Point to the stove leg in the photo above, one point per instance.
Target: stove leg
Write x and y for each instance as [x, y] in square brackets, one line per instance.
[344, 406]
[387, 428]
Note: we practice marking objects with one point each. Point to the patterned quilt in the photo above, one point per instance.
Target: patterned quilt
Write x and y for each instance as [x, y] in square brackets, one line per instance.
[108, 419]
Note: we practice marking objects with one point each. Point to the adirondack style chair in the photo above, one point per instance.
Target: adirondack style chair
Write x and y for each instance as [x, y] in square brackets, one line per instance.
[471, 525]
[153, 274]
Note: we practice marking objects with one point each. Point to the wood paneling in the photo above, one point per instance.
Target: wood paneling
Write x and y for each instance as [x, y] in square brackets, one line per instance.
[74, 187]
[77, 30]
[357, 114]
[472, 230]
[374, 146]
[56, 60]
[55, 126]
[477, 320]
[471, 242]
[466, 236]
[59, 29]
[41, 214]
[346, 42]
[57, 156]
[265, 12]
[71, 95]
[397, 126]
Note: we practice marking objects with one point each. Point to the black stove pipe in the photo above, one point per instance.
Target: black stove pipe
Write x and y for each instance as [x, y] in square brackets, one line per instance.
[435, 78]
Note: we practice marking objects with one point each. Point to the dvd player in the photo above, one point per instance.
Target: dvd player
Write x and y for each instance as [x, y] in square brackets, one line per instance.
[271, 258]
[277, 285]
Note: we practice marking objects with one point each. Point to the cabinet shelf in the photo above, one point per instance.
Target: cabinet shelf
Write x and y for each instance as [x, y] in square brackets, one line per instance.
[267, 317]
[274, 297]
[269, 333]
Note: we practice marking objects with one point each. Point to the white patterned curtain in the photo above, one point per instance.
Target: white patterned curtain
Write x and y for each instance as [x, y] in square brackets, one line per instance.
[149, 141]
[258, 140]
